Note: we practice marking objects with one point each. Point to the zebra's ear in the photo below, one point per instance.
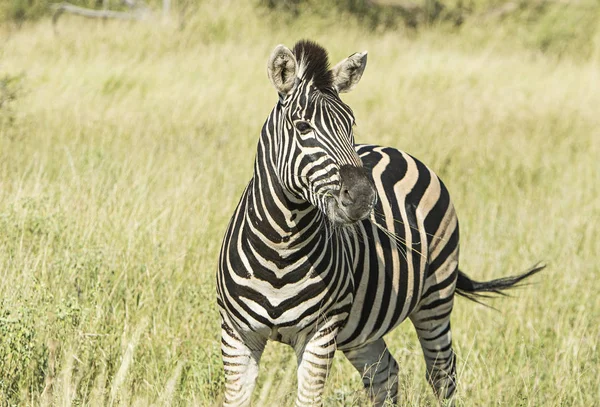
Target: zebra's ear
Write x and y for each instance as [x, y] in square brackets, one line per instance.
[348, 72]
[281, 69]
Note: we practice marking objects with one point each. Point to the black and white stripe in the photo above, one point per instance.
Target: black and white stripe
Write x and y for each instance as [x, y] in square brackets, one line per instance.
[334, 244]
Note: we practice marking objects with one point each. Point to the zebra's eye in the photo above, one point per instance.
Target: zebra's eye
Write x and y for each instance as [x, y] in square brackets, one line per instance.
[303, 127]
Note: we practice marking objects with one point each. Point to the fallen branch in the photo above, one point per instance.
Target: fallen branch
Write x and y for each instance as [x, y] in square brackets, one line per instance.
[502, 11]
[405, 6]
[60, 8]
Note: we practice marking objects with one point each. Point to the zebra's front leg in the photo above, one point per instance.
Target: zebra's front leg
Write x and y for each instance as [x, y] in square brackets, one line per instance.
[314, 362]
[241, 356]
[378, 369]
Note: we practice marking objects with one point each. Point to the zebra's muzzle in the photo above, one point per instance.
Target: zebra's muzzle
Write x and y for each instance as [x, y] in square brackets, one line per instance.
[356, 197]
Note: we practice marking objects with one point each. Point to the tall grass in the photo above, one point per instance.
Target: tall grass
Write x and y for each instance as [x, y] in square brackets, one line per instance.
[128, 148]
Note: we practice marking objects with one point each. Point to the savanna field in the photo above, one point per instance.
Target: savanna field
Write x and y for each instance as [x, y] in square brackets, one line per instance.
[124, 147]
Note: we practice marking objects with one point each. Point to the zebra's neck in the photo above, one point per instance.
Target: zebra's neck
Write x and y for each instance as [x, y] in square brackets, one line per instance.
[283, 226]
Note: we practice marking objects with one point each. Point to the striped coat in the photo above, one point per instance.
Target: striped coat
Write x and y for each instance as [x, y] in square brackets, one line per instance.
[334, 244]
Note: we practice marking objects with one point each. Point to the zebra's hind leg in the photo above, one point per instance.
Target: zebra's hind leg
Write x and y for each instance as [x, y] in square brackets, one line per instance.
[379, 371]
[435, 337]
[240, 361]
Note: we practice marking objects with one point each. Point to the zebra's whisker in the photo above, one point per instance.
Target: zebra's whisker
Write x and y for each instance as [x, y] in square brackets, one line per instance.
[399, 241]
[410, 226]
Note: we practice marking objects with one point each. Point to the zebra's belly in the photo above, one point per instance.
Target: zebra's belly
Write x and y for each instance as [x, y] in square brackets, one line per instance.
[387, 290]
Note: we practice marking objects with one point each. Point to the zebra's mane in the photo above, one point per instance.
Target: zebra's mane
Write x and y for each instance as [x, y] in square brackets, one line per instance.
[313, 64]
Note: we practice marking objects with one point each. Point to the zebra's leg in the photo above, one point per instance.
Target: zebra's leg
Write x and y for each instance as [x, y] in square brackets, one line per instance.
[240, 361]
[314, 362]
[379, 371]
[432, 323]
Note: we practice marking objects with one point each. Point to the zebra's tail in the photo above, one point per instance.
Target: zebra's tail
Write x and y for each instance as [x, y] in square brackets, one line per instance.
[479, 290]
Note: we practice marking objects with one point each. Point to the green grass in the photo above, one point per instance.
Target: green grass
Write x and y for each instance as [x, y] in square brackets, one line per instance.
[127, 146]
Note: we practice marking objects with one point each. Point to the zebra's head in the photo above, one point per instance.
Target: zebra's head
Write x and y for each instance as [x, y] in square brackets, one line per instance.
[313, 133]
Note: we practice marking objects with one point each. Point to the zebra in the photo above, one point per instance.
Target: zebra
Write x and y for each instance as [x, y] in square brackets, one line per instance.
[333, 244]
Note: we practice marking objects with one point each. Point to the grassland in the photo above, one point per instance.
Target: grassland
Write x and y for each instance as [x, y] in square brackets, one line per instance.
[127, 146]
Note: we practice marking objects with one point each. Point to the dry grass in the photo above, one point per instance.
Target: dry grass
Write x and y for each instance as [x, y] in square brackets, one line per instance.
[130, 144]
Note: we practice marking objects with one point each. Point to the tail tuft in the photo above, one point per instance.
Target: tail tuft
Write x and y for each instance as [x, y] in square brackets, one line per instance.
[478, 291]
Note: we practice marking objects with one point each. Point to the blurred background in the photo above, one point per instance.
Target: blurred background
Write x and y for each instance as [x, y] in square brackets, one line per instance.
[127, 135]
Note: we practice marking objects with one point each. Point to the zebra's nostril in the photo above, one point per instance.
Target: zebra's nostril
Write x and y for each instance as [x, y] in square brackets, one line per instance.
[345, 197]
